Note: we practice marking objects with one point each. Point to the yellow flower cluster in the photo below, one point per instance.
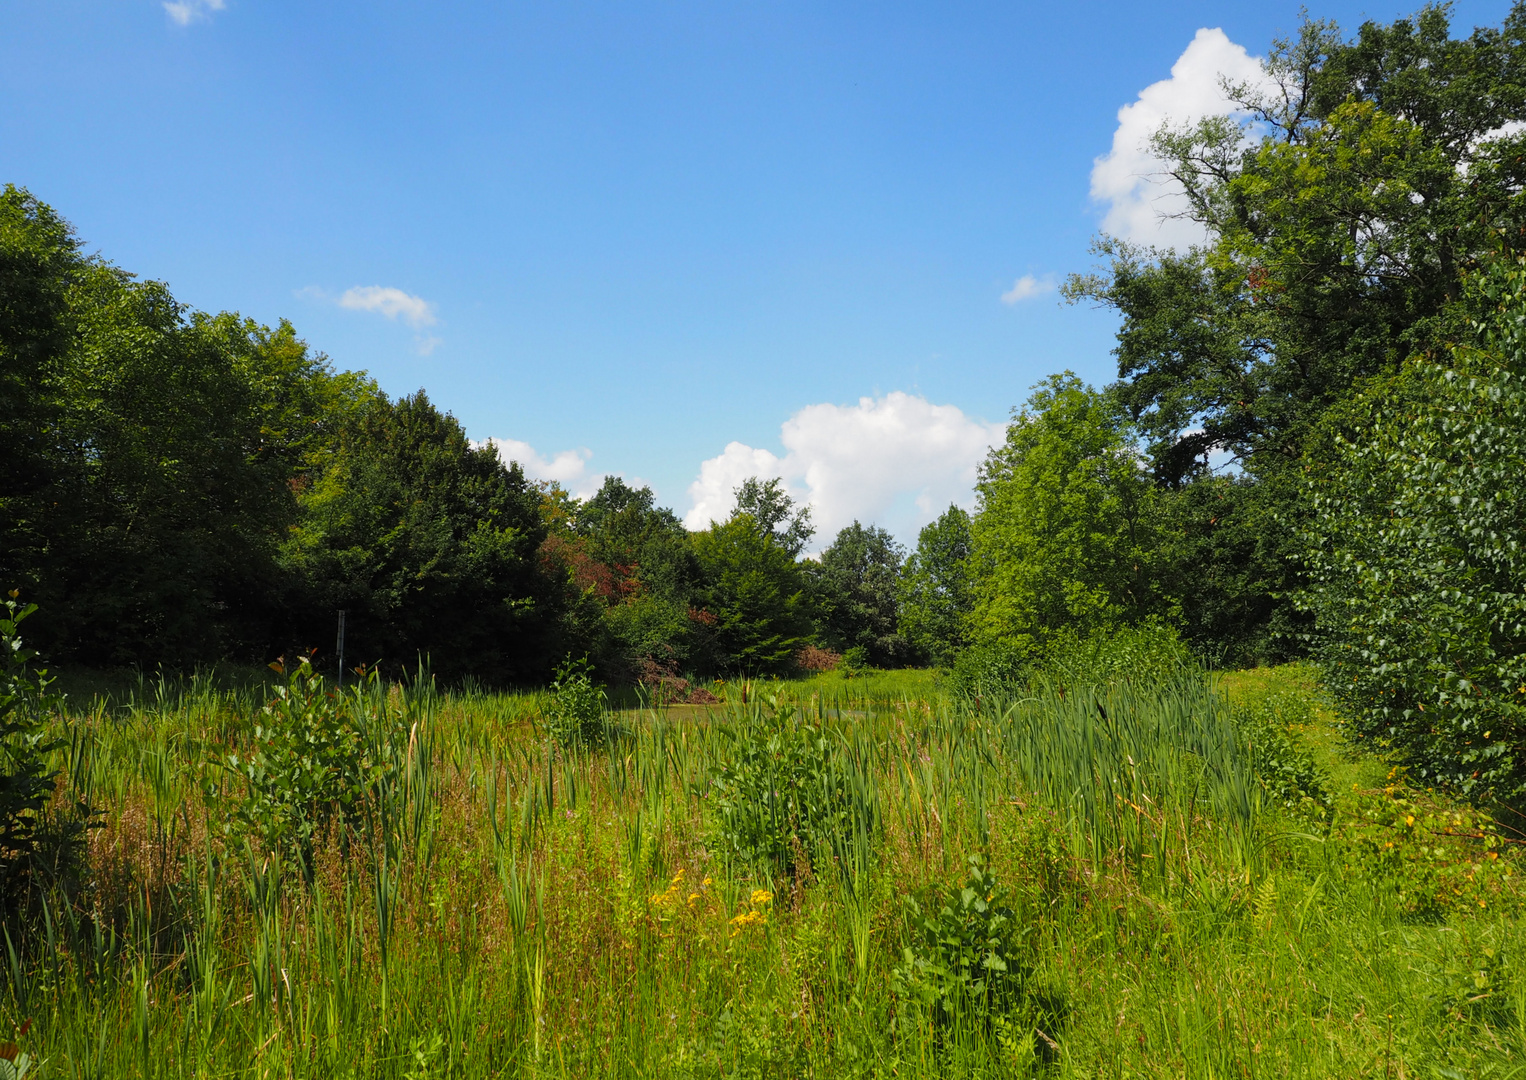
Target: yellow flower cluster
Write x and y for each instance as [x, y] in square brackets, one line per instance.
[756, 913]
[670, 897]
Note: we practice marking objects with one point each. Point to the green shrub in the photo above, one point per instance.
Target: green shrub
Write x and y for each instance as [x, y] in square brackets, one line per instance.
[575, 716]
[33, 843]
[1285, 770]
[993, 670]
[1150, 653]
[313, 762]
[1431, 860]
[1417, 573]
[966, 957]
[785, 795]
[854, 661]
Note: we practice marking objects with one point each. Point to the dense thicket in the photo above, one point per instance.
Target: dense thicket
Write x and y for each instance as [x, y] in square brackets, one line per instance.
[429, 544]
[151, 454]
[1415, 553]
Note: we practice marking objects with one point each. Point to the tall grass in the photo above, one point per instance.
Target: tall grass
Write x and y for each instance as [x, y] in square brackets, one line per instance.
[511, 908]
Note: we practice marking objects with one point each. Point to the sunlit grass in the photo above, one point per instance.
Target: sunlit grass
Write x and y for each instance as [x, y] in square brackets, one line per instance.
[567, 912]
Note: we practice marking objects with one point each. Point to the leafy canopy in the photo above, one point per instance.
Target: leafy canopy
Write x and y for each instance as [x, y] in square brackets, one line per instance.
[431, 544]
[1417, 577]
[855, 586]
[772, 509]
[1063, 536]
[754, 609]
[936, 589]
[1342, 209]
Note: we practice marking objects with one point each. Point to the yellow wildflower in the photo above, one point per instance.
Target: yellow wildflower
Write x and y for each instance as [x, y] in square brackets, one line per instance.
[746, 919]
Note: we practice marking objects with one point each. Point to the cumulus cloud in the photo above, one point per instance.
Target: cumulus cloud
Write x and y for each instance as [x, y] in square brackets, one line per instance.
[713, 494]
[1027, 287]
[393, 303]
[569, 468]
[897, 460]
[185, 12]
[1140, 198]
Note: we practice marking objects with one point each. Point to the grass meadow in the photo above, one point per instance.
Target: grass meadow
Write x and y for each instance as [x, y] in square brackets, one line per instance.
[1190, 877]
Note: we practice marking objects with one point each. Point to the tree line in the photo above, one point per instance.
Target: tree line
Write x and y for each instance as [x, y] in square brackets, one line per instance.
[1308, 452]
[180, 488]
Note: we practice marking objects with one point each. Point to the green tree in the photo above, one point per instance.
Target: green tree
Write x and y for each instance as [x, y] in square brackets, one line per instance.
[1342, 210]
[431, 544]
[936, 589]
[854, 585]
[770, 507]
[1224, 547]
[1064, 536]
[634, 559]
[38, 259]
[645, 543]
[754, 612]
[1417, 577]
[149, 454]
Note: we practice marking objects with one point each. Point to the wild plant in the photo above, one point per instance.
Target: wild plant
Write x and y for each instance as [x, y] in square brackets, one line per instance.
[1284, 768]
[316, 759]
[575, 715]
[33, 842]
[784, 795]
[966, 962]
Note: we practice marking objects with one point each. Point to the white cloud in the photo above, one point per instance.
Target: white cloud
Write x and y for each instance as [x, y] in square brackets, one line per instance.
[1026, 287]
[897, 460]
[393, 303]
[185, 12]
[426, 344]
[569, 468]
[1129, 178]
[713, 493]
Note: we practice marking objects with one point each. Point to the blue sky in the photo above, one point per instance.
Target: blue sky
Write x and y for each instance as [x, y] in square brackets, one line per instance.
[630, 234]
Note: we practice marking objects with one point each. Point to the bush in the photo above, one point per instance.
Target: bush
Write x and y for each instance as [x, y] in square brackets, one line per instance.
[1416, 568]
[33, 843]
[813, 658]
[1285, 770]
[313, 763]
[575, 716]
[995, 670]
[966, 958]
[854, 661]
[785, 795]
[1148, 654]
